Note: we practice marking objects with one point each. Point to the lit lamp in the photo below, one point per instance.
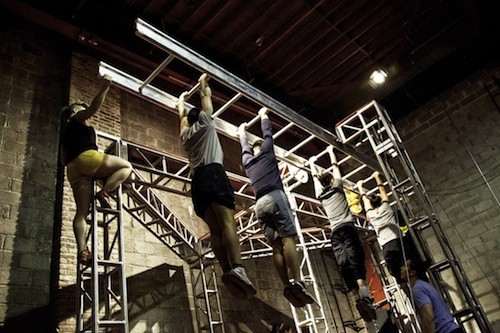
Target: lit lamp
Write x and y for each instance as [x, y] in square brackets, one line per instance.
[378, 76]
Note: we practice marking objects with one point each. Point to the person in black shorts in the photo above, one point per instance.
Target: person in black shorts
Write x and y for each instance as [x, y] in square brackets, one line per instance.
[346, 245]
[212, 195]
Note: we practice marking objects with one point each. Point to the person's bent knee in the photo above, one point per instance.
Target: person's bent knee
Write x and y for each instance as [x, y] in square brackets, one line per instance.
[128, 165]
[130, 178]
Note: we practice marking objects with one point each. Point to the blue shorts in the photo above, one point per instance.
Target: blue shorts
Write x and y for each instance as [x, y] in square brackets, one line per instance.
[211, 184]
[275, 215]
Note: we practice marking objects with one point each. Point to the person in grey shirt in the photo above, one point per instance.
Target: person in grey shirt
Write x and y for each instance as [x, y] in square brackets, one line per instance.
[346, 245]
[212, 194]
[380, 214]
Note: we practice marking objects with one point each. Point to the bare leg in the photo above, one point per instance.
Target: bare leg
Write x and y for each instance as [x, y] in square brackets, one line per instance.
[363, 290]
[225, 220]
[279, 261]
[361, 282]
[82, 192]
[216, 239]
[291, 255]
[116, 169]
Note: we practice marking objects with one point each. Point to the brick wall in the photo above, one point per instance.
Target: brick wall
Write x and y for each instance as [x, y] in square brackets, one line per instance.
[454, 143]
[35, 77]
[158, 281]
[33, 80]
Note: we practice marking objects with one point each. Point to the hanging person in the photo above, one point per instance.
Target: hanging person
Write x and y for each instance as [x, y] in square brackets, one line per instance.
[389, 236]
[273, 209]
[212, 195]
[346, 244]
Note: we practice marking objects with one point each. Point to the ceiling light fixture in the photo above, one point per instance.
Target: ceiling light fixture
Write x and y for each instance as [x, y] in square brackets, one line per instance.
[378, 76]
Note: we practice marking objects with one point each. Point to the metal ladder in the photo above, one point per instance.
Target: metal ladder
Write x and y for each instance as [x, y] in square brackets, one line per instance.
[370, 128]
[206, 297]
[102, 286]
[311, 317]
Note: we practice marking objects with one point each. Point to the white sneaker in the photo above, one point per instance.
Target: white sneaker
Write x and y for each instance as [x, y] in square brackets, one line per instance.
[237, 277]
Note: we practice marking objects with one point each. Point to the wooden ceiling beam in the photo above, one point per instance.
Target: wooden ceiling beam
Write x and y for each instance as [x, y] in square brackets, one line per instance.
[313, 59]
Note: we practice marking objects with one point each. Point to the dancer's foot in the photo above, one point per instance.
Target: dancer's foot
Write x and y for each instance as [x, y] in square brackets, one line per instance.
[84, 257]
[103, 198]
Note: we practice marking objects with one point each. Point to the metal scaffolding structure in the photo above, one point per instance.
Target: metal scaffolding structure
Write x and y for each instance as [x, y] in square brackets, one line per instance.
[370, 128]
[371, 145]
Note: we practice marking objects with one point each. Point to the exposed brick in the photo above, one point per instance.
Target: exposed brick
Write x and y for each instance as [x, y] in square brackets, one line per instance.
[444, 163]
[440, 157]
[32, 49]
[5, 212]
[468, 100]
[34, 261]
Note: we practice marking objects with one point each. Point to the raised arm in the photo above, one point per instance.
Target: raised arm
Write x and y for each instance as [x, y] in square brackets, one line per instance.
[97, 102]
[366, 202]
[314, 172]
[246, 150]
[267, 132]
[335, 166]
[206, 95]
[181, 106]
[380, 187]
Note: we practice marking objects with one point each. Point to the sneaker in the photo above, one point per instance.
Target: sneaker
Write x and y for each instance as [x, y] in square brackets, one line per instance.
[238, 278]
[365, 309]
[300, 291]
[235, 290]
[290, 296]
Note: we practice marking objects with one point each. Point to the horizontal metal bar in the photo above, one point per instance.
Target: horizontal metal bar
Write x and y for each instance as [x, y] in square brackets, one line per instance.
[157, 71]
[170, 45]
[227, 105]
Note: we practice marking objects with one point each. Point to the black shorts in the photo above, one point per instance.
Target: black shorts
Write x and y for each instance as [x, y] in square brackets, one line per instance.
[349, 254]
[211, 184]
[393, 256]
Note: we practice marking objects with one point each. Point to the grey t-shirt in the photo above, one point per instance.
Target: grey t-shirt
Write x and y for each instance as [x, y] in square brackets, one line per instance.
[201, 142]
[384, 221]
[335, 204]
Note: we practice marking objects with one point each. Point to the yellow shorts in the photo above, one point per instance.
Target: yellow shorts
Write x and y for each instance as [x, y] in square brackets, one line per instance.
[85, 165]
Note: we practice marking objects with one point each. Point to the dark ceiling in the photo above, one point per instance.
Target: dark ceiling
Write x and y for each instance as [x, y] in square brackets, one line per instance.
[314, 56]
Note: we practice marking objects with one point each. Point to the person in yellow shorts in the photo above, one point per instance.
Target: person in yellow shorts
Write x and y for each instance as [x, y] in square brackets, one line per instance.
[79, 153]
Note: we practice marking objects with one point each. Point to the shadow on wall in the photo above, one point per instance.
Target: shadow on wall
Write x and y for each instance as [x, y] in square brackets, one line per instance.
[156, 298]
[259, 319]
[30, 163]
